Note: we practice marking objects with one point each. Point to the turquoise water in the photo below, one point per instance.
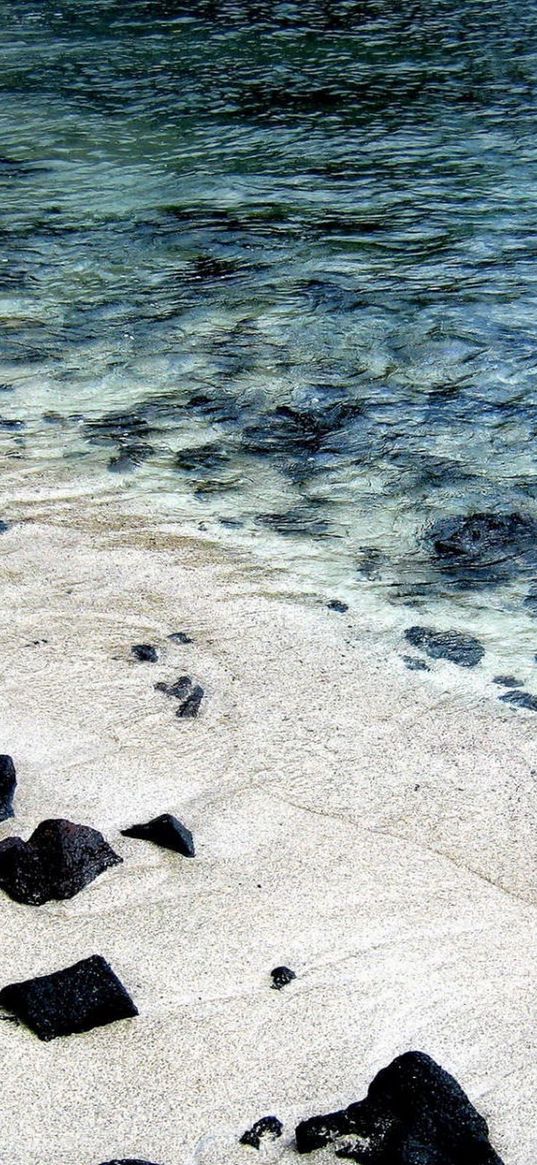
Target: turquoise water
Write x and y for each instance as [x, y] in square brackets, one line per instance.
[273, 268]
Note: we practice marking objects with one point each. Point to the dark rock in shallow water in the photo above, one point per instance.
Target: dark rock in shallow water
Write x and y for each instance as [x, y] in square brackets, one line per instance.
[281, 976]
[145, 652]
[165, 831]
[507, 682]
[77, 999]
[189, 709]
[129, 457]
[337, 605]
[414, 1114]
[180, 637]
[464, 650]
[415, 664]
[520, 699]
[8, 782]
[201, 457]
[4, 526]
[268, 1126]
[483, 549]
[58, 861]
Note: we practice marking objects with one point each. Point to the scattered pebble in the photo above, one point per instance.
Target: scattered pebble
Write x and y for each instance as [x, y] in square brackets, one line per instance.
[268, 1126]
[188, 693]
[414, 1112]
[145, 652]
[337, 605]
[507, 681]
[414, 664]
[191, 706]
[180, 637]
[165, 831]
[464, 650]
[520, 699]
[179, 689]
[8, 782]
[4, 526]
[77, 999]
[58, 861]
[281, 976]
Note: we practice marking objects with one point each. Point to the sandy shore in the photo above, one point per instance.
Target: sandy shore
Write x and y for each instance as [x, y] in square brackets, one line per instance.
[370, 827]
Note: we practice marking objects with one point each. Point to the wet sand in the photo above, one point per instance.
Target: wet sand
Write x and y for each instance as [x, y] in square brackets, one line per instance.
[370, 827]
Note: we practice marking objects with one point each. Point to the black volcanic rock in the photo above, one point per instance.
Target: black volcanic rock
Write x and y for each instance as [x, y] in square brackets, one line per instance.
[77, 999]
[337, 605]
[165, 831]
[414, 1114]
[4, 526]
[520, 699]
[179, 689]
[507, 681]
[482, 549]
[57, 861]
[180, 637]
[190, 695]
[281, 976]
[191, 706]
[267, 1126]
[8, 782]
[145, 652]
[454, 646]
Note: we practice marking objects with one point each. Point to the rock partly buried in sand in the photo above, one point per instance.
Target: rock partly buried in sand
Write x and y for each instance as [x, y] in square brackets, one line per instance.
[77, 999]
[145, 652]
[165, 831]
[190, 707]
[190, 695]
[268, 1127]
[4, 526]
[507, 681]
[8, 784]
[414, 1114]
[58, 861]
[464, 650]
[281, 976]
[180, 637]
[520, 699]
[179, 689]
[414, 664]
[337, 605]
[484, 548]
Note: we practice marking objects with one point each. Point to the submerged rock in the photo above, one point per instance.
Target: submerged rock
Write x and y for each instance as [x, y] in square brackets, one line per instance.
[414, 1114]
[86, 995]
[337, 605]
[281, 976]
[520, 699]
[165, 831]
[145, 652]
[464, 650]
[267, 1126]
[58, 861]
[129, 457]
[4, 526]
[414, 664]
[507, 682]
[8, 783]
[483, 548]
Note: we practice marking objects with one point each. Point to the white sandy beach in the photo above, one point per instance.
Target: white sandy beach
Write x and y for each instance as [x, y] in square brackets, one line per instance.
[370, 827]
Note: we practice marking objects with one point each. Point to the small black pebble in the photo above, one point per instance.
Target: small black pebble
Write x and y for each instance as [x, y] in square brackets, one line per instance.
[507, 682]
[179, 689]
[281, 976]
[337, 605]
[145, 652]
[166, 831]
[4, 526]
[8, 782]
[77, 999]
[268, 1126]
[191, 706]
[520, 699]
[415, 664]
[180, 637]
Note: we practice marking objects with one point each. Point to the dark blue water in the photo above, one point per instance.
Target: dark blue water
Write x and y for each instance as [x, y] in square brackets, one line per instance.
[272, 267]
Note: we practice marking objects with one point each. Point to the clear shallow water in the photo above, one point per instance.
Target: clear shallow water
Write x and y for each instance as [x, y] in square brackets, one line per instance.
[273, 266]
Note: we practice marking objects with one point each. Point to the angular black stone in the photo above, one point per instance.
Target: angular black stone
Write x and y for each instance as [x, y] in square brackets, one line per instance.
[415, 664]
[77, 999]
[57, 862]
[180, 637]
[414, 1114]
[483, 548]
[267, 1126]
[281, 976]
[191, 706]
[179, 690]
[520, 699]
[145, 652]
[507, 681]
[454, 646]
[337, 605]
[8, 782]
[165, 831]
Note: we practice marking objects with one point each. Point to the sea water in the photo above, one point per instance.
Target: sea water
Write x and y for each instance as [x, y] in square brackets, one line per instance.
[270, 270]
